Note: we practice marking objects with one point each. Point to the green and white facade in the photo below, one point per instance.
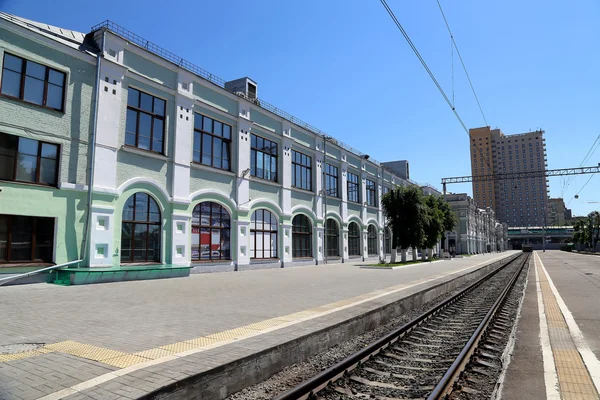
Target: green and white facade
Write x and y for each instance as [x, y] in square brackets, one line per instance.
[185, 169]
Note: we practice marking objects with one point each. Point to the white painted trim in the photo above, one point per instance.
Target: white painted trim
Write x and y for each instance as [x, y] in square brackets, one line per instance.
[147, 181]
[300, 209]
[104, 209]
[226, 200]
[214, 108]
[259, 180]
[100, 189]
[78, 187]
[589, 358]
[266, 128]
[550, 374]
[373, 221]
[145, 153]
[253, 204]
[146, 80]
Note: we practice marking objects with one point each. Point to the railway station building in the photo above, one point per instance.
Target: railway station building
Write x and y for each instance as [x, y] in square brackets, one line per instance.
[185, 168]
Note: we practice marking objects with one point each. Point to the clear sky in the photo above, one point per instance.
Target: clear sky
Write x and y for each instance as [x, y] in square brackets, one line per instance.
[343, 67]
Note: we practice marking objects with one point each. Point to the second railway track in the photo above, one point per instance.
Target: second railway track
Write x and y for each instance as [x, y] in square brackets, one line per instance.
[423, 358]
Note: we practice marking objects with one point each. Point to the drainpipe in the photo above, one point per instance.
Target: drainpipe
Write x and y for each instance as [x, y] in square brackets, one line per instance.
[92, 154]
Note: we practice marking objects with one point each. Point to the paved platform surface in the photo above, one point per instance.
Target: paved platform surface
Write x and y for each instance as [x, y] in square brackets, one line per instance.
[123, 340]
[558, 337]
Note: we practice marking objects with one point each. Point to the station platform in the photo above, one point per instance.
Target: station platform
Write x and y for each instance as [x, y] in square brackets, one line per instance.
[130, 340]
[557, 343]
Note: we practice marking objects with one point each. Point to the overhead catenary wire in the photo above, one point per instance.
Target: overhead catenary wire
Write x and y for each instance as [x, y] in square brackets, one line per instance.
[587, 156]
[431, 75]
[462, 62]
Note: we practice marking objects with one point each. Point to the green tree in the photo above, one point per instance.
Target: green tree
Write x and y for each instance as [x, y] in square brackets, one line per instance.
[433, 226]
[405, 212]
[582, 232]
[450, 220]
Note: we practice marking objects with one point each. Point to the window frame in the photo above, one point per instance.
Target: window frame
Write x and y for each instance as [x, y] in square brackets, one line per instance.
[37, 164]
[330, 177]
[264, 232]
[372, 241]
[23, 77]
[304, 169]
[224, 140]
[147, 223]
[350, 183]
[138, 110]
[332, 237]
[302, 237]
[210, 227]
[254, 158]
[371, 193]
[354, 240]
[34, 233]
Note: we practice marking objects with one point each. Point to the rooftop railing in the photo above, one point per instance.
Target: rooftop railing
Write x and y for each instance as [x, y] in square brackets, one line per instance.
[201, 72]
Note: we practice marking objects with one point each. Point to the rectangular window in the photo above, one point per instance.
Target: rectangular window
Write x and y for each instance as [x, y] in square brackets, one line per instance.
[145, 125]
[371, 193]
[28, 160]
[212, 142]
[263, 158]
[331, 180]
[353, 188]
[301, 170]
[32, 82]
[26, 239]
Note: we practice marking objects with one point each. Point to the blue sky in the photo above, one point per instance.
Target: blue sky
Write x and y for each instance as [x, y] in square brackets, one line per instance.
[343, 67]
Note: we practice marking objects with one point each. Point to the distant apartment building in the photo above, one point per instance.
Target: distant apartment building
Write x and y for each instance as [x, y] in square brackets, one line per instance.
[522, 201]
[558, 213]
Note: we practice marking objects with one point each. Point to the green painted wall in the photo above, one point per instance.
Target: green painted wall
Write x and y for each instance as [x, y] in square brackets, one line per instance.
[205, 179]
[333, 152]
[69, 129]
[303, 199]
[264, 120]
[150, 70]
[260, 190]
[304, 138]
[353, 162]
[215, 99]
[354, 209]
[66, 206]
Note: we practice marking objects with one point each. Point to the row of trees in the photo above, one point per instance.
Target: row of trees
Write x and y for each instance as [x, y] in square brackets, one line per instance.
[416, 220]
[587, 230]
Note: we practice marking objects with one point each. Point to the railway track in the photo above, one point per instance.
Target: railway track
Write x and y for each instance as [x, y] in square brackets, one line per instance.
[424, 358]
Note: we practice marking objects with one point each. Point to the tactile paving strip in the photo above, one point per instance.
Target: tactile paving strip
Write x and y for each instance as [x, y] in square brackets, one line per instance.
[153, 354]
[266, 324]
[24, 354]
[178, 347]
[124, 361]
[85, 350]
[573, 377]
[232, 334]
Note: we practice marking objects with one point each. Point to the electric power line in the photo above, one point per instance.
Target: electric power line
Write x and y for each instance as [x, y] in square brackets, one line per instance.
[583, 187]
[462, 62]
[435, 81]
[587, 156]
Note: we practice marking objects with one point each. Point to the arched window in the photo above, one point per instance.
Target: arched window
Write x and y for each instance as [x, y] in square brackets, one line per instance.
[372, 240]
[263, 234]
[301, 236]
[353, 239]
[387, 238]
[140, 229]
[332, 237]
[211, 232]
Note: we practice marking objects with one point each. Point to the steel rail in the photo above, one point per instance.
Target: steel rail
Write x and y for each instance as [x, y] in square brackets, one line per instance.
[308, 388]
[445, 385]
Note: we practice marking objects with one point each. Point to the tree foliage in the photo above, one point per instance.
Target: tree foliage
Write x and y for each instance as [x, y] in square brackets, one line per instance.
[416, 220]
[405, 210]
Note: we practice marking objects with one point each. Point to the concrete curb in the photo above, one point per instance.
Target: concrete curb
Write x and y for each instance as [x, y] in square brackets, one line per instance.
[226, 379]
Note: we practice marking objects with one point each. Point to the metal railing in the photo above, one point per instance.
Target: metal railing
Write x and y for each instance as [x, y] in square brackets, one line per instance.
[37, 271]
[201, 72]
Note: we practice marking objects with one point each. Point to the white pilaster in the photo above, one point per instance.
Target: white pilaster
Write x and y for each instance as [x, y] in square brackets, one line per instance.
[319, 250]
[243, 156]
[181, 251]
[243, 248]
[286, 171]
[344, 187]
[318, 186]
[286, 230]
[101, 230]
[184, 137]
[110, 110]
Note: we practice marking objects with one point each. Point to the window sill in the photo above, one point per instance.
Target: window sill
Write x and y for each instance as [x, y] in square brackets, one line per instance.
[139, 264]
[302, 190]
[40, 264]
[32, 104]
[208, 168]
[37, 184]
[265, 181]
[201, 262]
[147, 153]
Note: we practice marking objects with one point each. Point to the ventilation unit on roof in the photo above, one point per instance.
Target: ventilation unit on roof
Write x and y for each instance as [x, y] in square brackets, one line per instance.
[244, 87]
